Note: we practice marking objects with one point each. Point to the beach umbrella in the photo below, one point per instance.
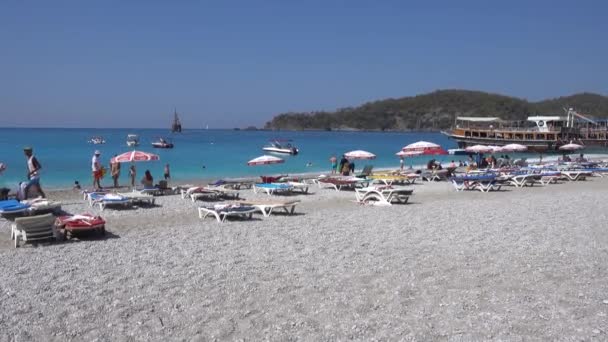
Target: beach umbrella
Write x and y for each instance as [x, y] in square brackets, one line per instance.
[134, 156]
[479, 149]
[408, 153]
[265, 160]
[426, 147]
[359, 154]
[496, 149]
[571, 147]
[514, 148]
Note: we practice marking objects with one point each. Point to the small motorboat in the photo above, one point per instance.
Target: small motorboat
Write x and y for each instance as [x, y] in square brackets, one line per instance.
[276, 146]
[132, 140]
[97, 140]
[162, 143]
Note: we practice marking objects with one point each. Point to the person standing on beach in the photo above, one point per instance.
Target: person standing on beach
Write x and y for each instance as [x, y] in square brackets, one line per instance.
[33, 174]
[334, 164]
[401, 163]
[132, 175]
[115, 169]
[96, 168]
[167, 172]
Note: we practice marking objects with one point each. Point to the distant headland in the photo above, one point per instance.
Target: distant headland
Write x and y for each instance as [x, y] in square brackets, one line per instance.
[435, 111]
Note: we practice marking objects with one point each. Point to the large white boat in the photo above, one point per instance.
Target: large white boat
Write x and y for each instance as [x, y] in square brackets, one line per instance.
[132, 140]
[277, 146]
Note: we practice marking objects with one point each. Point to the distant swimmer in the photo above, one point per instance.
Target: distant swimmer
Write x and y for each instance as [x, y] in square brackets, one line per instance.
[308, 164]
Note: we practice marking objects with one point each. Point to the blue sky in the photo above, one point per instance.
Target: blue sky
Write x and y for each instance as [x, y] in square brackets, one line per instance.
[238, 63]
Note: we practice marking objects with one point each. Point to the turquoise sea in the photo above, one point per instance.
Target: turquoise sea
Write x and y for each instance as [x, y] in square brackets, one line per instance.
[65, 154]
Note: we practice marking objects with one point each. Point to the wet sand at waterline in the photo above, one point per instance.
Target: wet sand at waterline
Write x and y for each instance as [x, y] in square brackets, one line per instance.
[515, 265]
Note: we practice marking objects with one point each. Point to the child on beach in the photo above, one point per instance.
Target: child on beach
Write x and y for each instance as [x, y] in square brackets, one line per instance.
[334, 164]
[401, 163]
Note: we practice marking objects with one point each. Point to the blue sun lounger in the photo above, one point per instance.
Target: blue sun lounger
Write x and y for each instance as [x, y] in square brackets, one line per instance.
[13, 207]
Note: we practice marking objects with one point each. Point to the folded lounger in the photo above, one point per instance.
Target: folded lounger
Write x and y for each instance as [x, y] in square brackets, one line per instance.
[33, 228]
[266, 207]
[383, 195]
[222, 211]
[272, 188]
[104, 200]
[72, 224]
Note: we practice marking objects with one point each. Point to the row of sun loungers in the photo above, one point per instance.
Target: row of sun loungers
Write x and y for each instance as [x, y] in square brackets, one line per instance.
[245, 209]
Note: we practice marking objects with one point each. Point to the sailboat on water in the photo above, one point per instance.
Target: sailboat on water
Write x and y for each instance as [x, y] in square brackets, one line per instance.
[176, 127]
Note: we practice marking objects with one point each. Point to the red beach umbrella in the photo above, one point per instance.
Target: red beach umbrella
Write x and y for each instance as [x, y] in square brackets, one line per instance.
[264, 160]
[134, 156]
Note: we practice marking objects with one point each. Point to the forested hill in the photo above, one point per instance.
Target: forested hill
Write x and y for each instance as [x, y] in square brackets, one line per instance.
[436, 110]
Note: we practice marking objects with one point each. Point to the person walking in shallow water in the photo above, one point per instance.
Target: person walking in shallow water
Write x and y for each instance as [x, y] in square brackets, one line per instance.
[33, 174]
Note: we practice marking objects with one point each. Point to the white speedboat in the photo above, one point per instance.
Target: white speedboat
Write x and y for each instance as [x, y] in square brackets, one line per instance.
[276, 146]
[132, 140]
[97, 140]
[162, 143]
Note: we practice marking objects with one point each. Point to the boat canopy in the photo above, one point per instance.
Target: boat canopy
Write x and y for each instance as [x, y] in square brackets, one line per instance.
[547, 118]
[478, 119]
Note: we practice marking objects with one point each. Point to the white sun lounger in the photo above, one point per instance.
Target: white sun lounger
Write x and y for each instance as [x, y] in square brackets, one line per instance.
[224, 190]
[575, 175]
[519, 181]
[383, 195]
[105, 200]
[266, 207]
[299, 186]
[138, 197]
[272, 188]
[222, 211]
[33, 228]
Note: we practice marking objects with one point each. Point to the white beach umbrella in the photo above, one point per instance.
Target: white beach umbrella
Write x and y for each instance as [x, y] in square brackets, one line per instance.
[264, 160]
[409, 153]
[571, 147]
[359, 154]
[420, 146]
[514, 148]
[479, 149]
[496, 149]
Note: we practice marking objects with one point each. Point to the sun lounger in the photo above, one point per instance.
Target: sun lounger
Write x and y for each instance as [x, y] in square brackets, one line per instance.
[483, 183]
[105, 200]
[340, 182]
[522, 180]
[383, 195]
[299, 186]
[197, 192]
[266, 207]
[13, 207]
[33, 228]
[154, 191]
[42, 205]
[224, 190]
[73, 224]
[138, 197]
[387, 179]
[222, 211]
[575, 175]
[272, 188]
[435, 175]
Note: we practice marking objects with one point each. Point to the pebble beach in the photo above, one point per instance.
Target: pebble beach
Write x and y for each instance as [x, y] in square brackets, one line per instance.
[523, 264]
